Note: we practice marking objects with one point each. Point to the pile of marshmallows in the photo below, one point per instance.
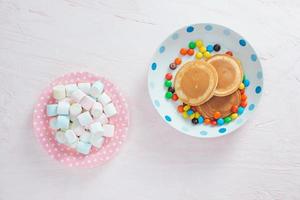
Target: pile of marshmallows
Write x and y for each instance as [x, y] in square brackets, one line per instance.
[81, 115]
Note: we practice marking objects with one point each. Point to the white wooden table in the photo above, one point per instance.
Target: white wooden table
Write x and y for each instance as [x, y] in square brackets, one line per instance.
[40, 40]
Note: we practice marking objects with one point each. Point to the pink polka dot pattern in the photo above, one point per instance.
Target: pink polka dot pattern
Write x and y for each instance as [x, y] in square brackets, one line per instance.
[66, 155]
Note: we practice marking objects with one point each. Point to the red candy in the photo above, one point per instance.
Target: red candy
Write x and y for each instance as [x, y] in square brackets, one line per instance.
[244, 104]
[168, 76]
[183, 51]
[213, 122]
[242, 91]
[175, 97]
[234, 109]
[244, 97]
[190, 52]
[229, 53]
[180, 108]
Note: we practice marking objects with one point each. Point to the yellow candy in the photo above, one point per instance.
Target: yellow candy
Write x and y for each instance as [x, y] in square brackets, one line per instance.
[186, 107]
[199, 55]
[199, 43]
[242, 86]
[192, 116]
[185, 115]
[202, 49]
[207, 54]
[234, 116]
[197, 115]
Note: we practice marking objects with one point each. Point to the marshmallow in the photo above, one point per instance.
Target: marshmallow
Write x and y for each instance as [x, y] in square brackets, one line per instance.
[73, 145]
[104, 99]
[59, 92]
[110, 110]
[85, 118]
[96, 127]
[63, 108]
[79, 130]
[51, 110]
[77, 95]
[70, 136]
[108, 130]
[70, 88]
[103, 119]
[60, 137]
[96, 89]
[62, 122]
[52, 123]
[84, 87]
[87, 102]
[97, 140]
[97, 110]
[83, 148]
[85, 137]
[75, 109]
[74, 123]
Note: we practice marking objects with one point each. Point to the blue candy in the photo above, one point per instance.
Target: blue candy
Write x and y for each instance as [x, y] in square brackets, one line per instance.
[200, 120]
[62, 122]
[240, 110]
[52, 110]
[209, 48]
[190, 112]
[246, 82]
[220, 121]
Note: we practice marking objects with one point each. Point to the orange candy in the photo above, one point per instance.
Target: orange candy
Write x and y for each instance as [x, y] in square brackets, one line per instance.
[183, 51]
[175, 97]
[234, 109]
[180, 108]
[177, 61]
[207, 121]
[244, 97]
[244, 104]
[190, 52]
[217, 115]
[229, 53]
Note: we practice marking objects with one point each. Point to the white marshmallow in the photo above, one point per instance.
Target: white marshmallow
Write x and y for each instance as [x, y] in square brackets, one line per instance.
[70, 136]
[52, 123]
[108, 130]
[83, 147]
[96, 127]
[97, 110]
[87, 102]
[79, 130]
[85, 118]
[59, 92]
[110, 110]
[77, 95]
[96, 89]
[63, 108]
[85, 137]
[84, 87]
[97, 140]
[75, 109]
[60, 137]
[104, 99]
[103, 119]
[73, 145]
[70, 88]
[74, 124]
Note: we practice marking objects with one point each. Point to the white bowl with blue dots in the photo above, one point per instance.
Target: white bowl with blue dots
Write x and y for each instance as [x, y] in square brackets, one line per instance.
[169, 49]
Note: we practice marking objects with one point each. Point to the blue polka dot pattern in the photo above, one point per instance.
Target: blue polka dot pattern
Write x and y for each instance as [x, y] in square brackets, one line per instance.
[203, 132]
[253, 57]
[226, 32]
[189, 29]
[251, 107]
[208, 27]
[257, 89]
[222, 130]
[242, 42]
[175, 36]
[259, 75]
[162, 49]
[157, 104]
[153, 66]
[168, 118]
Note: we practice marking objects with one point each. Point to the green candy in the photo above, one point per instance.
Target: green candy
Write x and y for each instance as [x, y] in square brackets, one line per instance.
[244, 77]
[169, 95]
[168, 83]
[227, 120]
[192, 45]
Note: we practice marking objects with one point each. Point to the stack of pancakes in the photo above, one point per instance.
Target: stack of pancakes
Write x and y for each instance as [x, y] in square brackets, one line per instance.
[210, 86]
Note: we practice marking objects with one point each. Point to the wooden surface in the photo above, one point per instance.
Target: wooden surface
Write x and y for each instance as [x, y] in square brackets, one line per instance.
[40, 40]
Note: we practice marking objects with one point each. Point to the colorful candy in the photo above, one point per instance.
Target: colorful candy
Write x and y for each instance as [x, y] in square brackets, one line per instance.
[217, 47]
[220, 121]
[171, 89]
[168, 76]
[227, 120]
[240, 110]
[174, 97]
[168, 83]
[192, 45]
[190, 52]
[183, 51]
[169, 95]
[180, 108]
[242, 86]
[177, 61]
[200, 120]
[229, 53]
[209, 48]
[207, 54]
[199, 55]
[172, 66]
[217, 115]
[195, 121]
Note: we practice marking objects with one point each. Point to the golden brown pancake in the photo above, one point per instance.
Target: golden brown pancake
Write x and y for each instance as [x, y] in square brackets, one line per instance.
[220, 104]
[230, 74]
[195, 82]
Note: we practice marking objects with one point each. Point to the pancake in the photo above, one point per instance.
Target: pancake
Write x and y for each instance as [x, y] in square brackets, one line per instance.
[195, 82]
[230, 74]
[220, 104]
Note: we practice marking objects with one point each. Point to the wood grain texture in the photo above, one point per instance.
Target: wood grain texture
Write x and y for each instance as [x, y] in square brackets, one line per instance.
[40, 40]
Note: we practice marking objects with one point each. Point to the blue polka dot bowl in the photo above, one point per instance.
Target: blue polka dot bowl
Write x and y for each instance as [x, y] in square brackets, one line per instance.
[209, 34]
